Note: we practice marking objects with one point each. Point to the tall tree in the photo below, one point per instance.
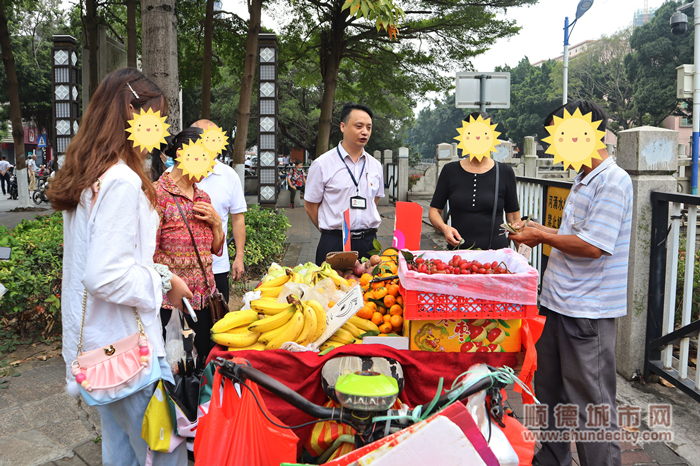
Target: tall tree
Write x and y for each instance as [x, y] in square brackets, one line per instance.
[651, 66]
[159, 54]
[444, 32]
[8, 60]
[131, 34]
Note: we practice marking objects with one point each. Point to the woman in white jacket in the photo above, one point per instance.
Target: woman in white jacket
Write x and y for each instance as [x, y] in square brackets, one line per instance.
[109, 234]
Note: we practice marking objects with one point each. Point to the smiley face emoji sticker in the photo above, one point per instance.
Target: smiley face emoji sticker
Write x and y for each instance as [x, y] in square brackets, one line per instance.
[148, 129]
[195, 161]
[478, 138]
[214, 140]
[574, 139]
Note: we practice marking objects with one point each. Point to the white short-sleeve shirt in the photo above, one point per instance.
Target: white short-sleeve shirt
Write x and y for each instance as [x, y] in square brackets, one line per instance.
[330, 184]
[226, 193]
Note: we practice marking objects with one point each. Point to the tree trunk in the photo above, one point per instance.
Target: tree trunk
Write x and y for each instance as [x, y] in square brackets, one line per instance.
[131, 39]
[8, 60]
[206, 63]
[331, 53]
[159, 53]
[255, 10]
[91, 29]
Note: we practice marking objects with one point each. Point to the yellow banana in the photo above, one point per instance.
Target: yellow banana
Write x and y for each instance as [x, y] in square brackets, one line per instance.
[297, 278]
[310, 326]
[320, 317]
[271, 292]
[330, 344]
[363, 324]
[292, 330]
[343, 335]
[275, 282]
[235, 340]
[255, 347]
[265, 337]
[270, 307]
[234, 319]
[271, 322]
[352, 329]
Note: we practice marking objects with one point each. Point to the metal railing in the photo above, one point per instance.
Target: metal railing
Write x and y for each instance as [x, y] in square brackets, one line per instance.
[391, 180]
[670, 324]
[532, 197]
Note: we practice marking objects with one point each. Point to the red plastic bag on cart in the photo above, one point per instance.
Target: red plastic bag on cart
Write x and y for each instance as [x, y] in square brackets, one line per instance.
[236, 433]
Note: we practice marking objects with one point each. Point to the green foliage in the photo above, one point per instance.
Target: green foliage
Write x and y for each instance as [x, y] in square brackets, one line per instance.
[33, 274]
[435, 125]
[265, 238]
[651, 66]
[680, 284]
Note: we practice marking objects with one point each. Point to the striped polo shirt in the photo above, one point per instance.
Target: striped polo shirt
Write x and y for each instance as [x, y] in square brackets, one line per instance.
[599, 211]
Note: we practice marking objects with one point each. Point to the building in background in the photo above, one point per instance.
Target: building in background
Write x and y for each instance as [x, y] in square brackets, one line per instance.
[642, 16]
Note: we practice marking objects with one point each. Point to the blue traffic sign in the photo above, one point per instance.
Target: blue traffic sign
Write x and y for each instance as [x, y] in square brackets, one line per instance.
[42, 141]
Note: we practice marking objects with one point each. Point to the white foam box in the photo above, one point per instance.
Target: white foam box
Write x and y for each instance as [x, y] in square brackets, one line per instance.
[341, 313]
[399, 343]
[438, 442]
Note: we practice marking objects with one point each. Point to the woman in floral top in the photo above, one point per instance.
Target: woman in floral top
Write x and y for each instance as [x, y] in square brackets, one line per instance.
[296, 180]
[174, 246]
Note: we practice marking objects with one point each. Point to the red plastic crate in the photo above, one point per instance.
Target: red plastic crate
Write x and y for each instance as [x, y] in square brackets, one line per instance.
[424, 305]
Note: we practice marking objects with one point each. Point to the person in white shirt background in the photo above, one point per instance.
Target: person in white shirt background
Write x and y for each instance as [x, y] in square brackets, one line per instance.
[4, 175]
[227, 197]
[108, 253]
[31, 169]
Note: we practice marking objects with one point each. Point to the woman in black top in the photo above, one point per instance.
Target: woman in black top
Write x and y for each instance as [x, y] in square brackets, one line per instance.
[470, 185]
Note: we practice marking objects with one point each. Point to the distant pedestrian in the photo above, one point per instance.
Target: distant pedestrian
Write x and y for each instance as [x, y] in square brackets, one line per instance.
[296, 180]
[31, 168]
[4, 174]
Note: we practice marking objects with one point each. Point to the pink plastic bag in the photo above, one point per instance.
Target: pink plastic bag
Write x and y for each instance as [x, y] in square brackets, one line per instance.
[520, 287]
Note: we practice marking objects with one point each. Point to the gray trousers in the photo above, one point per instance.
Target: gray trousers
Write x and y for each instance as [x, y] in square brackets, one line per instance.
[576, 365]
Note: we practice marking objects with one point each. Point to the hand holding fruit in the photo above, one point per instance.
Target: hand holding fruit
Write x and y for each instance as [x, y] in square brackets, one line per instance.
[528, 235]
[452, 236]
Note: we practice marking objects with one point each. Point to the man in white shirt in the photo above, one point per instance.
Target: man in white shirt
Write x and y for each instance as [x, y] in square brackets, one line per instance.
[346, 177]
[226, 193]
[4, 175]
[31, 169]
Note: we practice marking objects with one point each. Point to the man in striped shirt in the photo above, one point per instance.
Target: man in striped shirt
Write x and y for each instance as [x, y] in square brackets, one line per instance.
[584, 289]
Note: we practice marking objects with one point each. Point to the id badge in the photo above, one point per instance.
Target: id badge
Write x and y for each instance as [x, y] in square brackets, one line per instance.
[358, 202]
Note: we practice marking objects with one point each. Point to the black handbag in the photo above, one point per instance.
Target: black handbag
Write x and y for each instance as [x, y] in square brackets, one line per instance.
[217, 304]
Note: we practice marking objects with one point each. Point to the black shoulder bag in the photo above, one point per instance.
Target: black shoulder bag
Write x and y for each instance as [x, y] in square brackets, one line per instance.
[495, 205]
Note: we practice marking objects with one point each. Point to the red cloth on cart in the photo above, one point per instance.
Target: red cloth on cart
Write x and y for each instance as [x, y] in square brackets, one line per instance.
[302, 373]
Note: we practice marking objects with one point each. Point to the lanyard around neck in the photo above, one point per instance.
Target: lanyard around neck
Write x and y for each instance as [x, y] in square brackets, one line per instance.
[357, 184]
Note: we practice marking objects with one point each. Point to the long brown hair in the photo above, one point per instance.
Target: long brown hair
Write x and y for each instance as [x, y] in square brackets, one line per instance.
[102, 138]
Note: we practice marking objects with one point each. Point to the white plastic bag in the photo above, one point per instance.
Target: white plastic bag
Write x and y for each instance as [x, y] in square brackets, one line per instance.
[174, 348]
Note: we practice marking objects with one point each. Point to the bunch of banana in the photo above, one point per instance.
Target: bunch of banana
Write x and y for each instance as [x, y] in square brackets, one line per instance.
[299, 321]
[296, 277]
[270, 306]
[328, 272]
[232, 330]
[363, 325]
[273, 288]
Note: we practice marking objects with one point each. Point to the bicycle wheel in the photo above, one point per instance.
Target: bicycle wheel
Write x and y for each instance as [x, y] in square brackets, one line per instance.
[36, 197]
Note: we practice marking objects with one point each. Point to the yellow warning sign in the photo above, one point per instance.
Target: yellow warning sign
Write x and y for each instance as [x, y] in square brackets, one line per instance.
[554, 208]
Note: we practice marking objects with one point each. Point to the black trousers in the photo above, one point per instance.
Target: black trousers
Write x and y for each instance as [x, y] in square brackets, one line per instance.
[202, 328]
[293, 194]
[330, 242]
[222, 284]
[576, 366]
[5, 180]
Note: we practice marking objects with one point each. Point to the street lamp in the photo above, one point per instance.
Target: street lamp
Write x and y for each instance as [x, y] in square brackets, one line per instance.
[583, 7]
[679, 24]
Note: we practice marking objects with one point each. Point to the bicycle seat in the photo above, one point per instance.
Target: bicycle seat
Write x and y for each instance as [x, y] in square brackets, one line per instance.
[336, 367]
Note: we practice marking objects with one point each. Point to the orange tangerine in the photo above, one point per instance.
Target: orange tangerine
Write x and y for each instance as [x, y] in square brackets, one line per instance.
[365, 278]
[377, 285]
[377, 318]
[331, 304]
[385, 328]
[389, 301]
[393, 290]
[396, 310]
[365, 312]
[352, 282]
[396, 321]
[368, 295]
[387, 317]
[393, 268]
[379, 293]
[371, 305]
[399, 300]
[382, 310]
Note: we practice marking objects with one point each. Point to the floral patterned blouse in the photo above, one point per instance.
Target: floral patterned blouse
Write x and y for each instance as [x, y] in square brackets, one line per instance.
[174, 243]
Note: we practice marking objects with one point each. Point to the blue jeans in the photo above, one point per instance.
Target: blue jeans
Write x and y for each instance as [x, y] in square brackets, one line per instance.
[121, 422]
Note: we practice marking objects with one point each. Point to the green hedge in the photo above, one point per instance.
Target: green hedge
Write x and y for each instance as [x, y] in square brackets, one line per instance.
[32, 276]
[265, 238]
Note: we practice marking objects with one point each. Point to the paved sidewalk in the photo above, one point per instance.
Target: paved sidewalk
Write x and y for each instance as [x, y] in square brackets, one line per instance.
[41, 425]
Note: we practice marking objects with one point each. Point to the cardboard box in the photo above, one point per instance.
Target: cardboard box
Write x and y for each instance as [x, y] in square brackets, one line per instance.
[466, 336]
[399, 343]
[341, 313]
